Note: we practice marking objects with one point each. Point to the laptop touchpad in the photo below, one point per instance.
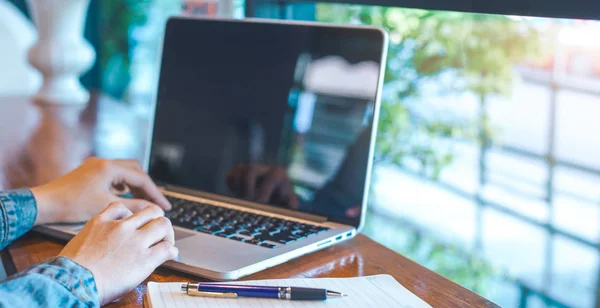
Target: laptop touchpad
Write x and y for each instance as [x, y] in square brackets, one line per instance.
[182, 233]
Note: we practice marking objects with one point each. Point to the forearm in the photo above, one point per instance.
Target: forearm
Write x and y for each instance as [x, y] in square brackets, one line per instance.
[58, 282]
[18, 213]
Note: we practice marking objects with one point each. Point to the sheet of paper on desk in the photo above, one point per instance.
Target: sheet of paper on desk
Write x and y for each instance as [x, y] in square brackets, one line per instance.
[377, 291]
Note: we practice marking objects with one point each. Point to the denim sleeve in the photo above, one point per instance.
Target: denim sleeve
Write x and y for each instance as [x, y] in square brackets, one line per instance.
[18, 212]
[58, 282]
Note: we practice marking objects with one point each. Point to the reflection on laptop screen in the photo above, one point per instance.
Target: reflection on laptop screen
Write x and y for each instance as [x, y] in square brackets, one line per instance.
[278, 114]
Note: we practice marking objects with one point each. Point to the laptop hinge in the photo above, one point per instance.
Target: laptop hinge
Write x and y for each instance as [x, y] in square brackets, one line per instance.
[248, 204]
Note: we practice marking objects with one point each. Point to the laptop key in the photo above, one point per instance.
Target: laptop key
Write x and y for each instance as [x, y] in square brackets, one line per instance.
[228, 232]
[281, 239]
[322, 229]
[248, 233]
[268, 245]
[209, 228]
[238, 238]
[199, 222]
[284, 229]
[313, 230]
[284, 240]
[287, 235]
[254, 241]
[239, 228]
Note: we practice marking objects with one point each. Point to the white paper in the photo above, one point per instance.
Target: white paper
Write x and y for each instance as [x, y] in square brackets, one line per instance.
[377, 291]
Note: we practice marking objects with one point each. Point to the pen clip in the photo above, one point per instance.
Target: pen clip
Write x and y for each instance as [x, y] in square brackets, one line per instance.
[192, 289]
[194, 292]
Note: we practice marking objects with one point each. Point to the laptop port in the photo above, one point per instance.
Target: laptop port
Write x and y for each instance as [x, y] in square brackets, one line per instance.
[324, 243]
[338, 238]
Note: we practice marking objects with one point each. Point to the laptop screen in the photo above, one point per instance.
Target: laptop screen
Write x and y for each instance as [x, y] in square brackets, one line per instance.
[279, 114]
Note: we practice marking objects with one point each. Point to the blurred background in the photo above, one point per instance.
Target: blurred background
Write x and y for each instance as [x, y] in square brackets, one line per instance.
[487, 165]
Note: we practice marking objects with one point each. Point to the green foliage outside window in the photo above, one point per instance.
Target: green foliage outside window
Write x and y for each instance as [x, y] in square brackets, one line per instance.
[477, 51]
[460, 53]
[118, 19]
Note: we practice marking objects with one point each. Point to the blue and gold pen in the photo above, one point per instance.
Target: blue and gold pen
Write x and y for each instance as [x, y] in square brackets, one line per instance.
[234, 291]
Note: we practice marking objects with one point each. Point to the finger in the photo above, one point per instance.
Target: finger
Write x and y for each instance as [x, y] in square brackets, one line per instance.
[115, 211]
[144, 216]
[233, 179]
[251, 179]
[294, 202]
[287, 195]
[162, 252]
[136, 205]
[129, 163]
[240, 180]
[142, 186]
[157, 230]
[271, 182]
[250, 182]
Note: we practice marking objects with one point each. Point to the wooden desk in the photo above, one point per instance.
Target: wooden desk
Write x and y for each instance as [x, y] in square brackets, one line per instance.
[39, 143]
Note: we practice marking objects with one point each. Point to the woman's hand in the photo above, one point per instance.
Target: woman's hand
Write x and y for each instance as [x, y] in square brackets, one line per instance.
[122, 249]
[84, 192]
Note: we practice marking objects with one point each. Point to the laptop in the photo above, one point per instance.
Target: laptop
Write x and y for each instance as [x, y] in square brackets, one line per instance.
[262, 139]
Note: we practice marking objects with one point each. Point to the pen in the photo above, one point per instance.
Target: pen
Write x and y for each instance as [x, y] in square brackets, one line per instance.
[234, 291]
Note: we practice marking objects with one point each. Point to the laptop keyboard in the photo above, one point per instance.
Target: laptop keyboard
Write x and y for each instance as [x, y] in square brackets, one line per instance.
[246, 227]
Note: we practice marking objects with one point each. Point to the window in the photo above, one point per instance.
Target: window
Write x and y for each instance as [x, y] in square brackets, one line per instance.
[487, 164]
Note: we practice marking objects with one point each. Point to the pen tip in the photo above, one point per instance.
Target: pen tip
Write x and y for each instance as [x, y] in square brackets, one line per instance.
[335, 294]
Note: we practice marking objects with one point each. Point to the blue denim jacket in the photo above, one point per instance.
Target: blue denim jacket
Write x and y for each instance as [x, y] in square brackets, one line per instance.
[58, 282]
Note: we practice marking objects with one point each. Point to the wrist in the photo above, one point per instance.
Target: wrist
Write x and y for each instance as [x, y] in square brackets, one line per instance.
[48, 210]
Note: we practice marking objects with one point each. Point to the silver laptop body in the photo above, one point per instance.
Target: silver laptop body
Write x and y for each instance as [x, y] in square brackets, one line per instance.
[220, 86]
